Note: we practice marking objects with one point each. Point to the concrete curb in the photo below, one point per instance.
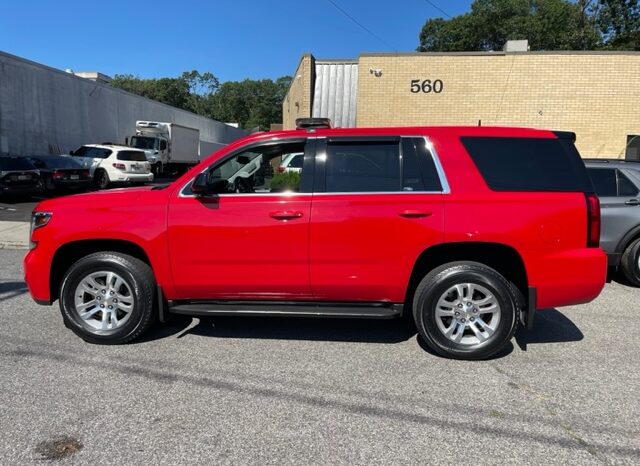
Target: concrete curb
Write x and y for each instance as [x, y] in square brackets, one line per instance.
[12, 245]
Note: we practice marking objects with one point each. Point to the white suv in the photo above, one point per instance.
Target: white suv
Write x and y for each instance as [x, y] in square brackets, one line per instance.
[109, 163]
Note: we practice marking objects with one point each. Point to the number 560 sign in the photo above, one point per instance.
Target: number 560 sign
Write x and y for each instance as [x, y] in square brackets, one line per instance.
[427, 86]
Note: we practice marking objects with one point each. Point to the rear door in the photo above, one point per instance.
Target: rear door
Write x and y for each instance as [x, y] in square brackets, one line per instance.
[377, 205]
[619, 204]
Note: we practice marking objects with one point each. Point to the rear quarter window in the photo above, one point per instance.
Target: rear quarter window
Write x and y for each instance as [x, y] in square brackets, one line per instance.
[528, 164]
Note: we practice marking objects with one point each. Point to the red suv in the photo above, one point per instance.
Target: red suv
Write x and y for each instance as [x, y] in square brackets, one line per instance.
[468, 230]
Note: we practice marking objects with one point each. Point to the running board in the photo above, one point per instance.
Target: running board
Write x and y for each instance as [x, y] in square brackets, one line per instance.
[271, 308]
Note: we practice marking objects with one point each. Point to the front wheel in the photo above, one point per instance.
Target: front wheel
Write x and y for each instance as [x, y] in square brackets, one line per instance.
[465, 310]
[108, 298]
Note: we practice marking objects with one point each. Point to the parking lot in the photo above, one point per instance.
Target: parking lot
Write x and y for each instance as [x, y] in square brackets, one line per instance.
[254, 390]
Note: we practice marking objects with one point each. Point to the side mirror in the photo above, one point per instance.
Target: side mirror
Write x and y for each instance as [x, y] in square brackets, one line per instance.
[156, 153]
[202, 187]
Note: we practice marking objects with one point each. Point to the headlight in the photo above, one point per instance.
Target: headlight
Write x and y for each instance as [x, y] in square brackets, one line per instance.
[38, 220]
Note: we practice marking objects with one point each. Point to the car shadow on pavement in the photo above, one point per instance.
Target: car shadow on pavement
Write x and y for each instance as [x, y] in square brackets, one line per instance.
[549, 326]
[300, 328]
[10, 290]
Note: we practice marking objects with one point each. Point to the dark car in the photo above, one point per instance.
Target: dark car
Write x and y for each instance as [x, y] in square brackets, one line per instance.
[617, 184]
[61, 172]
[18, 176]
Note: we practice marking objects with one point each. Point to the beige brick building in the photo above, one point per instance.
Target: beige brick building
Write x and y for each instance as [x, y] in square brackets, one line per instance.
[594, 94]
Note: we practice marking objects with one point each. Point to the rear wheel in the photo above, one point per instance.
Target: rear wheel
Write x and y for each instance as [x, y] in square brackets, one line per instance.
[101, 179]
[465, 310]
[108, 298]
[630, 262]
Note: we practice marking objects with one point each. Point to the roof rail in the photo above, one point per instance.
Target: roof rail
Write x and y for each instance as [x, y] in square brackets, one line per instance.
[312, 123]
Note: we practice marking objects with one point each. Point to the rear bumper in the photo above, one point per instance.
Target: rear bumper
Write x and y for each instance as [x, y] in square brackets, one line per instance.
[567, 278]
[133, 177]
[19, 189]
[70, 184]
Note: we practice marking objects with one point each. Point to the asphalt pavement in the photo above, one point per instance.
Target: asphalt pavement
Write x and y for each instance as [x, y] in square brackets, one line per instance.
[303, 391]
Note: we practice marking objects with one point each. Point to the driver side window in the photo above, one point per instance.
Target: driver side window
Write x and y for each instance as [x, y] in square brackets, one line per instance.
[261, 169]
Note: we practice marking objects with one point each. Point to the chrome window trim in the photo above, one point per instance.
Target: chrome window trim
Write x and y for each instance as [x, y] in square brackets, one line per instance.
[429, 145]
[436, 160]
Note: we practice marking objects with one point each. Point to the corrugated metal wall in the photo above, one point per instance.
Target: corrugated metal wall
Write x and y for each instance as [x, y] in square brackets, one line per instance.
[335, 92]
[44, 110]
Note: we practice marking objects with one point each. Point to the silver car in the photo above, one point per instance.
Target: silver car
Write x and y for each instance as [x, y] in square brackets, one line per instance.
[617, 184]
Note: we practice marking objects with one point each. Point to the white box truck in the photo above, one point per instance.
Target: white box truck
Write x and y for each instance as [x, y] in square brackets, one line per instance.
[169, 147]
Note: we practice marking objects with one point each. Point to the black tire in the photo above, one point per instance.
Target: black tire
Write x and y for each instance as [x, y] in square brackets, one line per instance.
[436, 283]
[101, 179]
[137, 275]
[156, 169]
[630, 262]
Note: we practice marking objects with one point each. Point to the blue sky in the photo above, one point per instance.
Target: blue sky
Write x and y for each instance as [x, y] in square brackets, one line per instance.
[232, 39]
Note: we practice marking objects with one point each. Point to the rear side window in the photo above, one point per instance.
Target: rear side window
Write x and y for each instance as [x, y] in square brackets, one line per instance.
[528, 164]
[611, 182]
[625, 186]
[419, 172]
[132, 156]
[604, 181]
[363, 167]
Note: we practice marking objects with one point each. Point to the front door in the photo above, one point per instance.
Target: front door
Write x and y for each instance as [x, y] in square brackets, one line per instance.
[250, 242]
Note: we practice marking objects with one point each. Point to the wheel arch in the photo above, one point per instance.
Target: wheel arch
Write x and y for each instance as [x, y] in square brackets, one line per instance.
[627, 239]
[71, 252]
[503, 258]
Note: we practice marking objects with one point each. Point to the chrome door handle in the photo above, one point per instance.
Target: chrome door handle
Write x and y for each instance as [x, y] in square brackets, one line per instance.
[633, 202]
[286, 214]
[414, 213]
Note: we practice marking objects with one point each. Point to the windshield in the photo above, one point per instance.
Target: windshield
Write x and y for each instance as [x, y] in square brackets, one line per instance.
[15, 163]
[144, 142]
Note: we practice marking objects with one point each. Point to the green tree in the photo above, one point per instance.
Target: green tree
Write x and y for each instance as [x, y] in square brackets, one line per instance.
[619, 22]
[547, 24]
[251, 103]
[171, 91]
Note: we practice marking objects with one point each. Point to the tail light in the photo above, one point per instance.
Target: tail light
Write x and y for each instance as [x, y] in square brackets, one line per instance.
[85, 174]
[57, 175]
[281, 169]
[593, 220]
[119, 166]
